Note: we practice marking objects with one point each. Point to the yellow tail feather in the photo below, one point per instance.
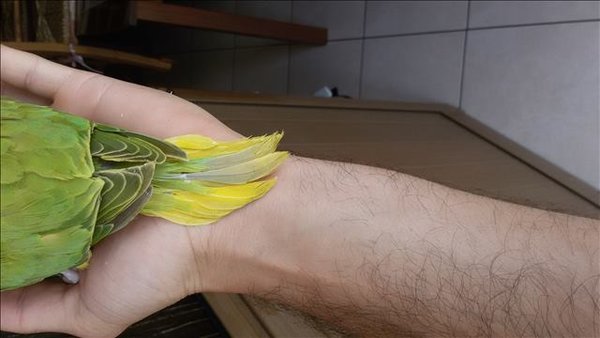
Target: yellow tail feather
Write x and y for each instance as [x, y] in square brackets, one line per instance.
[197, 146]
[218, 178]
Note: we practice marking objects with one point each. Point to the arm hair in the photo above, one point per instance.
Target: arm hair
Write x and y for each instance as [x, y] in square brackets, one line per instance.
[378, 253]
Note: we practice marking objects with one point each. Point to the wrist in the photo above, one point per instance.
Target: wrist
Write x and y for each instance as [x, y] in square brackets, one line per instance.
[238, 254]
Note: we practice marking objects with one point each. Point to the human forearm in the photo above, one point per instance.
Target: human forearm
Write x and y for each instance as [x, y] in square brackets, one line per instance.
[374, 251]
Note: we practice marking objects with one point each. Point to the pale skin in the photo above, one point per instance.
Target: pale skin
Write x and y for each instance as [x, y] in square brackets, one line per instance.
[369, 251]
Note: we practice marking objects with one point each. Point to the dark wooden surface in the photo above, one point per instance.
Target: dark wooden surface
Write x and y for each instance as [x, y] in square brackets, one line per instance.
[374, 108]
[426, 144]
[191, 317]
[155, 11]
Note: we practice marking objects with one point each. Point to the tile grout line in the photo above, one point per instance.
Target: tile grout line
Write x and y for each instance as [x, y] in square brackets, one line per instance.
[235, 11]
[362, 51]
[288, 81]
[464, 57]
[533, 24]
[405, 34]
[399, 35]
[289, 57]
[235, 52]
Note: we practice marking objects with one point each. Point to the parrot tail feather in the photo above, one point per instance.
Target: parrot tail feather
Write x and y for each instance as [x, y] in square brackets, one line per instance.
[217, 178]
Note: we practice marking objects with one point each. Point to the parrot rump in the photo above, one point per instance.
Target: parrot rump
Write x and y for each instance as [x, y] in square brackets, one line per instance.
[67, 183]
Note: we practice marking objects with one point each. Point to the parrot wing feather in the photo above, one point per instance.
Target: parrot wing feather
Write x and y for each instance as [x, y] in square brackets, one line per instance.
[167, 148]
[122, 188]
[120, 148]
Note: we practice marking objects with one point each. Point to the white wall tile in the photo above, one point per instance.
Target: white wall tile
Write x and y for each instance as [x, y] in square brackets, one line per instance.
[180, 74]
[227, 6]
[336, 64]
[539, 86]
[262, 69]
[413, 68]
[401, 17]
[211, 70]
[204, 39]
[266, 9]
[166, 39]
[499, 13]
[343, 19]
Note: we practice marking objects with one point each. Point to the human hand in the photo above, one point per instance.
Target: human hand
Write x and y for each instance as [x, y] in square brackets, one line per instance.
[139, 270]
[371, 251]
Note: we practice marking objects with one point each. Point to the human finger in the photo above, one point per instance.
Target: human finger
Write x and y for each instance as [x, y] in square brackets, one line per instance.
[22, 95]
[107, 100]
[32, 73]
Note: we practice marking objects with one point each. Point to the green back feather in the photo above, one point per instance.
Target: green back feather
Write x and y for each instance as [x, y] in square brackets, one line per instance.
[49, 198]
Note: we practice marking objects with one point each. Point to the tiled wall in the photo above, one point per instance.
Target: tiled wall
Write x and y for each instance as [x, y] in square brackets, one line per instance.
[528, 69]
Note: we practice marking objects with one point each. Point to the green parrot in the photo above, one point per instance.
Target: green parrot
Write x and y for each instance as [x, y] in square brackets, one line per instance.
[67, 183]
